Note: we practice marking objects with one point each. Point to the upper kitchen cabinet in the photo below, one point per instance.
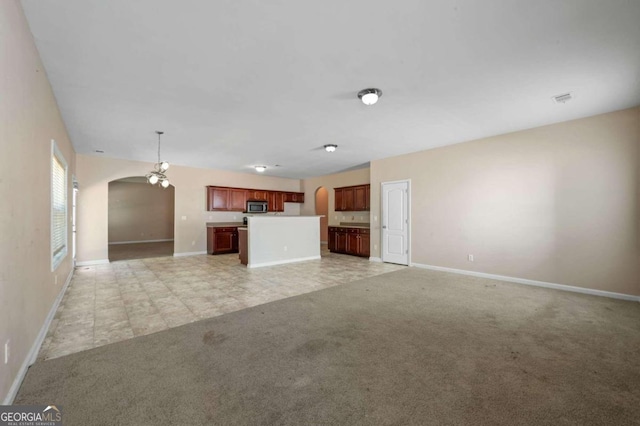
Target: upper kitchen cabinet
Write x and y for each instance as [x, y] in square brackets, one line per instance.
[226, 199]
[221, 198]
[294, 197]
[276, 201]
[258, 195]
[352, 198]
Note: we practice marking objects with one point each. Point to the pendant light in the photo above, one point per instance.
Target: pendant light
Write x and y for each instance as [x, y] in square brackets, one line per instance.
[157, 176]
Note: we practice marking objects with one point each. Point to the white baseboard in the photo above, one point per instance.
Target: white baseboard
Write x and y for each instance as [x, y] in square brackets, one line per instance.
[35, 348]
[140, 241]
[282, 262]
[535, 283]
[375, 259]
[189, 253]
[93, 262]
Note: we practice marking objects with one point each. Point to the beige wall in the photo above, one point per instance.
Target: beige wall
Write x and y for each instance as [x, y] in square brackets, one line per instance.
[30, 120]
[94, 174]
[337, 180]
[558, 203]
[140, 212]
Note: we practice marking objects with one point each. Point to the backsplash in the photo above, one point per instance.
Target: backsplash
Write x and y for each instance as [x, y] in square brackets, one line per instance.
[349, 217]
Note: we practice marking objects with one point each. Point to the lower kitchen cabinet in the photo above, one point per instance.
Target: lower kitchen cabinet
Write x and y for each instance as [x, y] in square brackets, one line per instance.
[222, 240]
[353, 241]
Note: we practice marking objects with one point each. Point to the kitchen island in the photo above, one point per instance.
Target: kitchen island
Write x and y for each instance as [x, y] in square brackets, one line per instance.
[274, 240]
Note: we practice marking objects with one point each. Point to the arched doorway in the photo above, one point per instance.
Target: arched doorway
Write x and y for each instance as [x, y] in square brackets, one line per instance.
[140, 220]
[322, 208]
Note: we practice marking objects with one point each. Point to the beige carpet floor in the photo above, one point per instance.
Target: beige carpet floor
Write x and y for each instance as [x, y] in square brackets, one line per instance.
[407, 347]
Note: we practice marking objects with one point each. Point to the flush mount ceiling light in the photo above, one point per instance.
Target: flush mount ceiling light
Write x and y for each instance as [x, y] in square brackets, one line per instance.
[260, 169]
[369, 96]
[330, 147]
[157, 174]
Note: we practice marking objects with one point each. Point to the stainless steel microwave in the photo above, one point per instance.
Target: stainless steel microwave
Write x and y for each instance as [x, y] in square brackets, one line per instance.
[257, 207]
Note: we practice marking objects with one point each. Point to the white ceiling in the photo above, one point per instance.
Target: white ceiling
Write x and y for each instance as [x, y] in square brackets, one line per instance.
[237, 83]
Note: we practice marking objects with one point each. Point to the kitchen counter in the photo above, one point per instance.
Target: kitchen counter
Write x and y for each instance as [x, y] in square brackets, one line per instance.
[224, 224]
[359, 225]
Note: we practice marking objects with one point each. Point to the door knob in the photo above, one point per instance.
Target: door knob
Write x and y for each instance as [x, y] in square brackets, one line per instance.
[384, 226]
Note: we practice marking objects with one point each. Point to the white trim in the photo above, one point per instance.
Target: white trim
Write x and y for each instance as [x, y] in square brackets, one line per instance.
[525, 281]
[141, 241]
[375, 259]
[282, 262]
[32, 356]
[189, 253]
[93, 262]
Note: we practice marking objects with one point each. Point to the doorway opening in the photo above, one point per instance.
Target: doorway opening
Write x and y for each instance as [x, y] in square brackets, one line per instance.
[141, 219]
[322, 208]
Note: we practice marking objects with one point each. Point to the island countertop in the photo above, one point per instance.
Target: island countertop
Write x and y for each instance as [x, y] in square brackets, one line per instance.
[224, 224]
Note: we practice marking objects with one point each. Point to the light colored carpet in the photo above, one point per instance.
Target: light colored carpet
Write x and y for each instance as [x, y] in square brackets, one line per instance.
[407, 347]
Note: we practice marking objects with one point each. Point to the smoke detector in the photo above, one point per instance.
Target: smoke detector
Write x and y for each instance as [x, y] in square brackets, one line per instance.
[563, 99]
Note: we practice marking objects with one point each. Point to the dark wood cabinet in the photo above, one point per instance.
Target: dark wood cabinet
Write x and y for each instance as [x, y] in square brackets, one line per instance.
[360, 198]
[353, 241]
[220, 198]
[352, 198]
[222, 240]
[217, 198]
[339, 199]
[237, 199]
[276, 201]
[294, 197]
[258, 195]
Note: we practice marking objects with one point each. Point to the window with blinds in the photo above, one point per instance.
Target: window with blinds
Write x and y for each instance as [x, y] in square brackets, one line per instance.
[58, 207]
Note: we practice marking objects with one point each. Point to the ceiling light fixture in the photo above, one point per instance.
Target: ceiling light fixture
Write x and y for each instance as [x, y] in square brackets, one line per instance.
[369, 96]
[157, 174]
[260, 169]
[330, 147]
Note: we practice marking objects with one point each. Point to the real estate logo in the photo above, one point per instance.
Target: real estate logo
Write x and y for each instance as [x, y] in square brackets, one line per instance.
[30, 415]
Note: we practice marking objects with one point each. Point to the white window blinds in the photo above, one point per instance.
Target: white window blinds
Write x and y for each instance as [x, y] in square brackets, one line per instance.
[58, 207]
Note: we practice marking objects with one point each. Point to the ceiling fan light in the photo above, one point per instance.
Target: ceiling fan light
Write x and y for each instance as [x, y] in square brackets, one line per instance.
[164, 166]
[153, 179]
[260, 169]
[330, 147]
[165, 183]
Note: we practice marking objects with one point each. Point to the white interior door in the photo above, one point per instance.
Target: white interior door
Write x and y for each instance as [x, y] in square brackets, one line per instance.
[395, 222]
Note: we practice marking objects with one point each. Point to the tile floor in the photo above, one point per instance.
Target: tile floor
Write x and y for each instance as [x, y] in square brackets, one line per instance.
[109, 303]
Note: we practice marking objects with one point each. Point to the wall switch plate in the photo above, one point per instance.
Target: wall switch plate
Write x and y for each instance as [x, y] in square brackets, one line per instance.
[184, 218]
[6, 352]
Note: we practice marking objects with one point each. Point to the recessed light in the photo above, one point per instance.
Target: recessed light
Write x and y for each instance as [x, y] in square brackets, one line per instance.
[260, 169]
[330, 147]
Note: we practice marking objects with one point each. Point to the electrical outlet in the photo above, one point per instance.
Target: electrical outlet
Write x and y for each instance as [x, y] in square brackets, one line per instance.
[184, 218]
[285, 248]
[193, 243]
[470, 258]
[6, 352]
[375, 247]
[55, 279]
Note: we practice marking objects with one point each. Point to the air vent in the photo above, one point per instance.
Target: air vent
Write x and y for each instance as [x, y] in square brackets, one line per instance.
[563, 99]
